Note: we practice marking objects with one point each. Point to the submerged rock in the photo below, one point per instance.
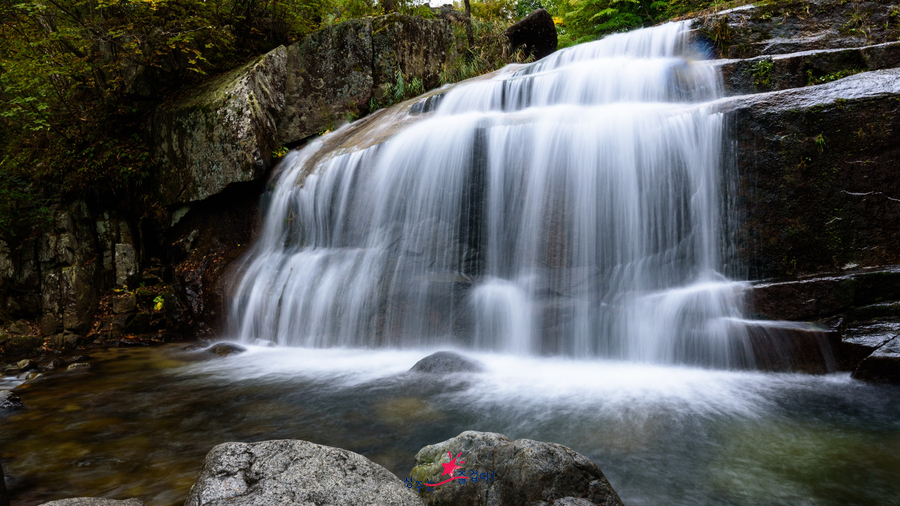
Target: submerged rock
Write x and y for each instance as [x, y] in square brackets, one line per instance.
[94, 501]
[79, 366]
[512, 472]
[288, 472]
[444, 362]
[9, 400]
[225, 349]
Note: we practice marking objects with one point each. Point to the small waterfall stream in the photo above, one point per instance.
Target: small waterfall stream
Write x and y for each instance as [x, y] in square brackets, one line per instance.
[568, 207]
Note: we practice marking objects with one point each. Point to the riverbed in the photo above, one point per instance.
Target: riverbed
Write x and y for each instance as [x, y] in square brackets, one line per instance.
[139, 422]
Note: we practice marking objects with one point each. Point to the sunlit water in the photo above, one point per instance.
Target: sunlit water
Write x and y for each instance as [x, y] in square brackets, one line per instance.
[140, 422]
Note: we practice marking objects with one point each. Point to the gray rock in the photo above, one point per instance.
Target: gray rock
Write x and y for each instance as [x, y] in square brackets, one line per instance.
[444, 362]
[126, 265]
[124, 303]
[94, 501]
[525, 472]
[225, 349]
[883, 365]
[287, 472]
[79, 296]
[33, 376]
[9, 400]
[222, 133]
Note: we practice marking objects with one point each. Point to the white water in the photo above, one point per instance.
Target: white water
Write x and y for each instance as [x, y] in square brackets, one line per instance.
[568, 207]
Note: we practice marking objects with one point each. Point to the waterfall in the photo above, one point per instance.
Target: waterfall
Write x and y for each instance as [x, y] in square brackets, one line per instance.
[571, 206]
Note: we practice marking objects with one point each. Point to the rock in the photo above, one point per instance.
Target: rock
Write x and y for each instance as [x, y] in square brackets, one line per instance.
[33, 376]
[55, 363]
[861, 339]
[77, 358]
[225, 349]
[20, 327]
[65, 341]
[793, 347]
[94, 501]
[79, 366]
[882, 366]
[49, 324]
[221, 133]
[817, 184]
[124, 303]
[525, 472]
[445, 362]
[535, 34]
[792, 26]
[126, 265]
[795, 70]
[26, 364]
[816, 297]
[287, 472]
[9, 400]
[79, 296]
[23, 345]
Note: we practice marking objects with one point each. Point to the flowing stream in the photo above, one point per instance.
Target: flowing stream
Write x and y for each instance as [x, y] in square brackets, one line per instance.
[568, 207]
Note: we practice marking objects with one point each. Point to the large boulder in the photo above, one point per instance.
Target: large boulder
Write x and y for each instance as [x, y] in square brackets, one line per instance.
[816, 168]
[521, 472]
[225, 131]
[221, 133]
[535, 34]
[287, 472]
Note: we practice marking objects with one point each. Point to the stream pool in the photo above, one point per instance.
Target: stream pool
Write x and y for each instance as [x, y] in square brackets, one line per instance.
[140, 421]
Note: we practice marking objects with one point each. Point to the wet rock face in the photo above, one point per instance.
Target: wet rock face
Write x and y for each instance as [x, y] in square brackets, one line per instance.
[446, 362]
[883, 365]
[291, 472]
[524, 472]
[535, 34]
[799, 25]
[817, 175]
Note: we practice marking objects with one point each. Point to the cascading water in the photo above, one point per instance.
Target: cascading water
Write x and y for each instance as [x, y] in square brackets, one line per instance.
[571, 206]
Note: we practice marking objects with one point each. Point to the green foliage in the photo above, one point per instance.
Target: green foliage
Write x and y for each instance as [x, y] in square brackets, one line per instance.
[820, 143]
[762, 73]
[813, 79]
[79, 78]
[485, 55]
